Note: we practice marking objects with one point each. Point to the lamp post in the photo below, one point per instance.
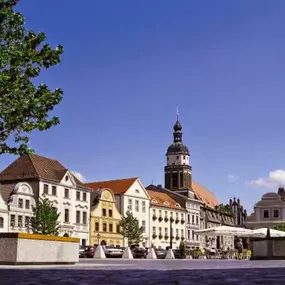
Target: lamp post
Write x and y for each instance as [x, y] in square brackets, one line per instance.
[98, 237]
[171, 232]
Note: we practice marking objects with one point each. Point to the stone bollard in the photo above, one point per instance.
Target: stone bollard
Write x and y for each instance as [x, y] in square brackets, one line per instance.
[170, 254]
[99, 253]
[151, 254]
[127, 253]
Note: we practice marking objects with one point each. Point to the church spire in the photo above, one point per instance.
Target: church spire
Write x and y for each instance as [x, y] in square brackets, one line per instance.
[177, 134]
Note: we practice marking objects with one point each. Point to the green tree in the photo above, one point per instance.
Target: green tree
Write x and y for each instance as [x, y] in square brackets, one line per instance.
[24, 106]
[45, 219]
[280, 227]
[182, 249]
[130, 229]
[225, 209]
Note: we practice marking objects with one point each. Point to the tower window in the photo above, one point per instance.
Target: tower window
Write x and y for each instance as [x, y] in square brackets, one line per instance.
[184, 157]
[175, 179]
[177, 157]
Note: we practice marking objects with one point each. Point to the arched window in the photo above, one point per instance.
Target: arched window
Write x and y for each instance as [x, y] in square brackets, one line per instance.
[166, 203]
[1, 223]
[154, 201]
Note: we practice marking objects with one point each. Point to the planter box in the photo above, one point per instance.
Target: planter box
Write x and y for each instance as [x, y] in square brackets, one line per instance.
[22, 248]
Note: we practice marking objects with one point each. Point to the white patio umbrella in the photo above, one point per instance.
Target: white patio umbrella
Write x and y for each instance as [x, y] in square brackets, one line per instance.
[225, 231]
[262, 232]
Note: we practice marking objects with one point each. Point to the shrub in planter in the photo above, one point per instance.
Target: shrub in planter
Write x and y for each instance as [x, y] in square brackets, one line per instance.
[154, 217]
[182, 222]
[166, 219]
[160, 236]
[160, 219]
[166, 237]
[154, 236]
[177, 221]
[177, 238]
[183, 238]
[171, 220]
[172, 237]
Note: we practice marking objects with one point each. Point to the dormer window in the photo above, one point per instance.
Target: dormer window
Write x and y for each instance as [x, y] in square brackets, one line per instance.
[66, 178]
[137, 191]
[166, 203]
[154, 201]
[177, 205]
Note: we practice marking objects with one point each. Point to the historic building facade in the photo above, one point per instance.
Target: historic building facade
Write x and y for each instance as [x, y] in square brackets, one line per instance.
[31, 177]
[4, 215]
[130, 195]
[167, 220]
[268, 212]
[104, 219]
[200, 203]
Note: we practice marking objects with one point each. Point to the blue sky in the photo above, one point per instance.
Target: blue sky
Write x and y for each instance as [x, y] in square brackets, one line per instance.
[128, 64]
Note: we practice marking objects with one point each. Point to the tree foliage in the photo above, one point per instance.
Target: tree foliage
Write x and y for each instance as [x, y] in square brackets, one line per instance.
[225, 209]
[182, 249]
[24, 107]
[130, 229]
[45, 219]
[280, 227]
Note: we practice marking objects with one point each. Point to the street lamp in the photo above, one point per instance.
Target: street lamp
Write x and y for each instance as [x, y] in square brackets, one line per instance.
[98, 237]
[171, 232]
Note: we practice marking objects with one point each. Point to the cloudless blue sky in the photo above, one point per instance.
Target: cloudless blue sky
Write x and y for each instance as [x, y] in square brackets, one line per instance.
[128, 64]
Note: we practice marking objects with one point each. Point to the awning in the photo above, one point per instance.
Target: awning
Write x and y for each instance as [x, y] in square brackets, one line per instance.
[225, 231]
[262, 232]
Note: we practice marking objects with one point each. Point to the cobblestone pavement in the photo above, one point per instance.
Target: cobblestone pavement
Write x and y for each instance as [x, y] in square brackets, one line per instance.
[136, 272]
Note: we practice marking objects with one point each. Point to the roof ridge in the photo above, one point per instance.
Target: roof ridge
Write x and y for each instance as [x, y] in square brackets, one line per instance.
[112, 180]
[37, 173]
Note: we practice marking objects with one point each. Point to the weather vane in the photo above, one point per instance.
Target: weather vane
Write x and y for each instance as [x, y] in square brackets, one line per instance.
[177, 112]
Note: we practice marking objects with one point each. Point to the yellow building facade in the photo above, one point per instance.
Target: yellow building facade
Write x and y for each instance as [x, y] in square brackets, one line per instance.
[104, 219]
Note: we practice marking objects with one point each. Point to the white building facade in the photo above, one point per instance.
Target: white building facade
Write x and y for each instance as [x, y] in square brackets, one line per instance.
[4, 215]
[167, 221]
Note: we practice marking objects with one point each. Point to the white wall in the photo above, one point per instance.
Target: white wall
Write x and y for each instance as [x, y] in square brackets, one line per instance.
[4, 215]
[21, 205]
[157, 226]
[138, 194]
[177, 159]
[71, 203]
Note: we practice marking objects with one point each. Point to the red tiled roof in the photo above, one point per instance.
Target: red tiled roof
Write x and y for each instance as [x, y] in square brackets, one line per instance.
[161, 198]
[119, 186]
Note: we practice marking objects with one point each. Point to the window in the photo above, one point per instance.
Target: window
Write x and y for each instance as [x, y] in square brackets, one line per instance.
[143, 226]
[143, 206]
[66, 215]
[84, 218]
[197, 237]
[12, 220]
[197, 220]
[188, 218]
[193, 219]
[77, 217]
[20, 221]
[160, 230]
[53, 190]
[193, 235]
[266, 214]
[153, 230]
[110, 213]
[160, 213]
[104, 214]
[182, 216]
[171, 214]
[66, 193]
[20, 203]
[177, 216]
[27, 204]
[1, 223]
[276, 213]
[110, 228]
[177, 232]
[104, 227]
[130, 206]
[184, 157]
[118, 228]
[137, 206]
[165, 214]
[165, 231]
[77, 195]
[182, 233]
[27, 221]
[188, 234]
[177, 157]
[84, 196]
[96, 227]
[45, 189]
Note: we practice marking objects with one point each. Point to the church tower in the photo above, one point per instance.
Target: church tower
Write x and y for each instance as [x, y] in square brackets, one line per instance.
[178, 172]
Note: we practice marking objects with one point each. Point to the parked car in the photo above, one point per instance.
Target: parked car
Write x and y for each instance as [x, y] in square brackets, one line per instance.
[81, 251]
[161, 253]
[138, 251]
[88, 252]
[113, 252]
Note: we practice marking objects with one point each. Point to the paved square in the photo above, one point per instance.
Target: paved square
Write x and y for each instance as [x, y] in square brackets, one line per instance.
[178, 272]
